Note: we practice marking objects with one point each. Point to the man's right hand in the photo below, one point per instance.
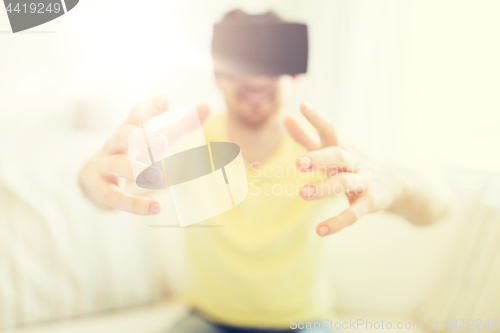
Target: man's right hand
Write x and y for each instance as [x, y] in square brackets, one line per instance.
[103, 177]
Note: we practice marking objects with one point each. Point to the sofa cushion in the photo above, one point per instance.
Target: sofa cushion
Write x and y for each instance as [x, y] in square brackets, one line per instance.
[469, 288]
[60, 256]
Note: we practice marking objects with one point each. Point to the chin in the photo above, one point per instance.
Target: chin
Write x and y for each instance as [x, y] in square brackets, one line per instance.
[256, 116]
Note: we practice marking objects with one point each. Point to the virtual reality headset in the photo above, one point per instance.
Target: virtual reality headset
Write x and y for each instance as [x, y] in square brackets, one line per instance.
[256, 48]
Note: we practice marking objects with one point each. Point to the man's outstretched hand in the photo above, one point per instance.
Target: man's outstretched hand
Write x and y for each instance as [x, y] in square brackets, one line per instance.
[103, 177]
[369, 188]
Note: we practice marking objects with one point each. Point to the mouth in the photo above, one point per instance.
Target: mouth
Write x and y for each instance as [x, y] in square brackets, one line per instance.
[256, 98]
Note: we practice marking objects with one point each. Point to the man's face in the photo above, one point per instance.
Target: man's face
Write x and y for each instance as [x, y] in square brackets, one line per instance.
[252, 99]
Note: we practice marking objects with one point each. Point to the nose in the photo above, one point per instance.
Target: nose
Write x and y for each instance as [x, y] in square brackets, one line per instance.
[259, 81]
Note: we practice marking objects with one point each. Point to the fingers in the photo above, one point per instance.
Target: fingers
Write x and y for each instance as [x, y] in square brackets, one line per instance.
[146, 110]
[326, 130]
[117, 165]
[152, 107]
[177, 127]
[359, 208]
[332, 159]
[113, 161]
[116, 198]
[301, 135]
[122, 166]
[203, 112]
[119, 143]
[343, 183]
[121, 200]
[152, 176]
[185, 124]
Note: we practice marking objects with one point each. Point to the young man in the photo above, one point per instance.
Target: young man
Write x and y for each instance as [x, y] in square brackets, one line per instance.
[260, 271]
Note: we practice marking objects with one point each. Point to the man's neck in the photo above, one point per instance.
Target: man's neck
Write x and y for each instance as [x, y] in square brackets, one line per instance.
[257, 143]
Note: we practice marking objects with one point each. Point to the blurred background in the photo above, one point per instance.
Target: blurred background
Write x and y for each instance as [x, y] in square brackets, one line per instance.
[415, 80]
[413, 83]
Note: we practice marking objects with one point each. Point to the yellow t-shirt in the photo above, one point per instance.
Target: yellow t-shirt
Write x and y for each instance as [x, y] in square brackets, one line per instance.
[260, 269]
